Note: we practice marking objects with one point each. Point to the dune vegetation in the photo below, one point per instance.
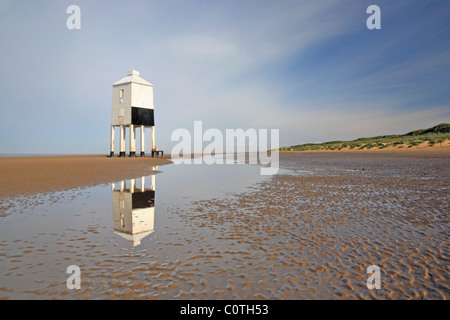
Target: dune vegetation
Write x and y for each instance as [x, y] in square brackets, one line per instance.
[431, 136]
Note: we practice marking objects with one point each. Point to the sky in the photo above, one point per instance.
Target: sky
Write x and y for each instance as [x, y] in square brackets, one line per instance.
[311, 69]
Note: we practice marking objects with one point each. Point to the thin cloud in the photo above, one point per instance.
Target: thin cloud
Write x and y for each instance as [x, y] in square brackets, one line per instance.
[308, 68]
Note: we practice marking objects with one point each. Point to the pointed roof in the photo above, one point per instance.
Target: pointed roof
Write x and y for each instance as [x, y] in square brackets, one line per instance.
[133, 239]
[132, 77]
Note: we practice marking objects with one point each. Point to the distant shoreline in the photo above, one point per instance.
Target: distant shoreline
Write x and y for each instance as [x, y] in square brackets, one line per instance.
[421, 148]
[28, 175]
[18, 155]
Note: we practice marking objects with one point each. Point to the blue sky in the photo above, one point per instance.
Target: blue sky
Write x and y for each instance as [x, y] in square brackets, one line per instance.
[311, 69]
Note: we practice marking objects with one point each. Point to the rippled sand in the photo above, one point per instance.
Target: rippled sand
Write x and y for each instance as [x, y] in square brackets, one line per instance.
[308, 233]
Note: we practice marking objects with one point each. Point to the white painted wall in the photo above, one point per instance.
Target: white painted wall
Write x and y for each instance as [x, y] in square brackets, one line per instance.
[128, 220]
[137, 93]
[141, 96]
[122, 209]
[121, 103]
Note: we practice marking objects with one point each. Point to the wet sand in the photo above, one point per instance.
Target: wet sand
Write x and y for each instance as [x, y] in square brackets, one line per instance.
[40, 174]
[308, 233]
[311, 234]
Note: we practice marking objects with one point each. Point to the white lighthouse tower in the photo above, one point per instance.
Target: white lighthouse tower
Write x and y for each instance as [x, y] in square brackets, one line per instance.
[132, 107]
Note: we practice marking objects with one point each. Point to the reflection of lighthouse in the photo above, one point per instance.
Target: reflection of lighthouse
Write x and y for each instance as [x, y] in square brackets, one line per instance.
[133, 209]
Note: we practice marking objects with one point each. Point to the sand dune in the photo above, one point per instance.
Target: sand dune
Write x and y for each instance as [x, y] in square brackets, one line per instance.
[423, 148]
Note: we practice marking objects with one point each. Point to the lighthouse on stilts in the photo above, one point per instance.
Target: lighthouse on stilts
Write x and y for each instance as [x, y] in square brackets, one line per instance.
[132, 107]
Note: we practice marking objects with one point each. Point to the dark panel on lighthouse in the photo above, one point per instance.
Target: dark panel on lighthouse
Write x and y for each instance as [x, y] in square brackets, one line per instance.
[141, 200]
[142, 116]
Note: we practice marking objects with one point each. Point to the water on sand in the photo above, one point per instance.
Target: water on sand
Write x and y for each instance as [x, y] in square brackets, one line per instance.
[224, 232]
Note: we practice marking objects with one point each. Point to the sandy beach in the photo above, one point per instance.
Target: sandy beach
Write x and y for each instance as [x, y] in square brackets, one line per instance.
[312, 231]
[39, 174]
[309, 232]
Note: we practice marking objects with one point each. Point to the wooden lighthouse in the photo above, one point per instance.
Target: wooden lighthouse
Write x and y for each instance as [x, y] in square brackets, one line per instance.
[132, 107]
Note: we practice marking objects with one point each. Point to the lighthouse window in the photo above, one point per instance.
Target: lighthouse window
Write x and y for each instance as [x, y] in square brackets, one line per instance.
[122, 92]
[122, 221]
[121, 112]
